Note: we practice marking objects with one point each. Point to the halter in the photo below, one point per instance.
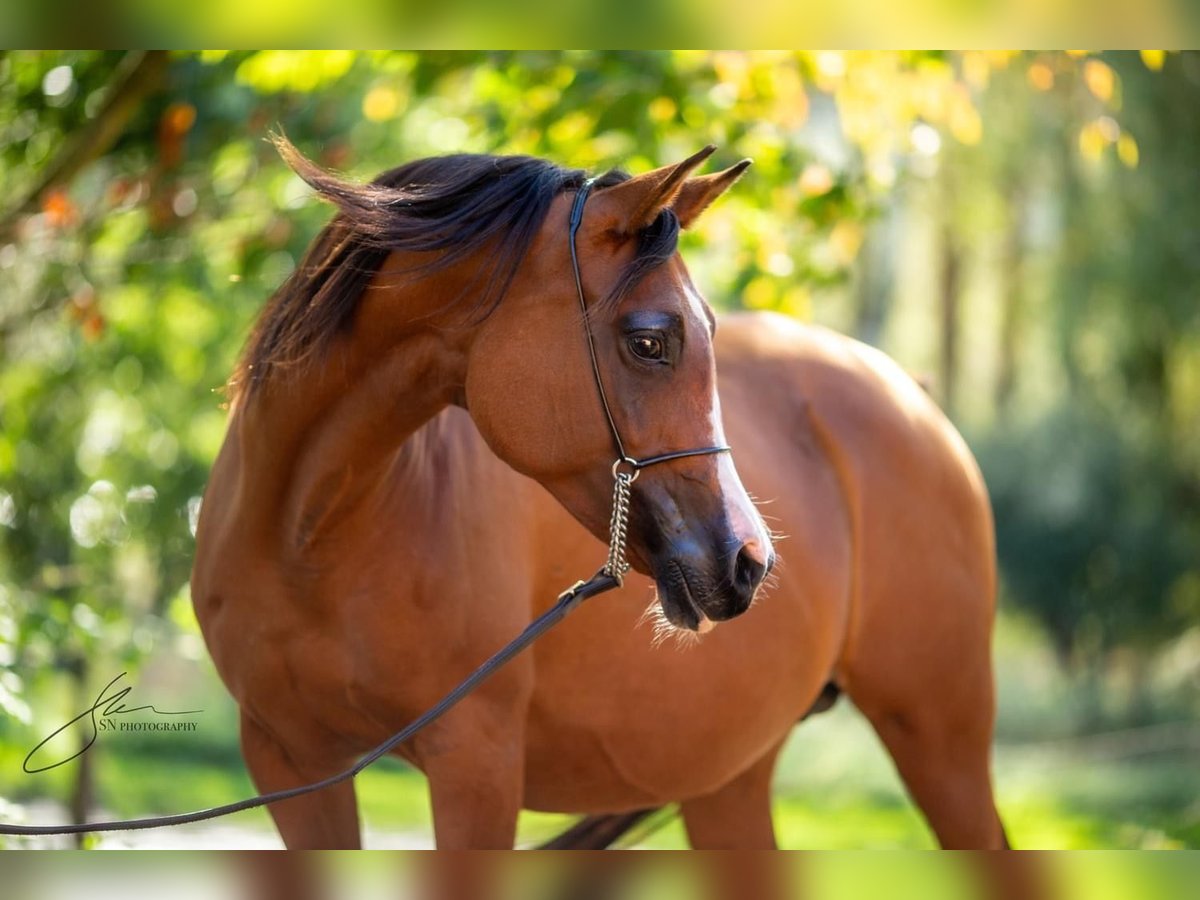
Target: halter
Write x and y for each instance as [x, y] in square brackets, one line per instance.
[626, 468]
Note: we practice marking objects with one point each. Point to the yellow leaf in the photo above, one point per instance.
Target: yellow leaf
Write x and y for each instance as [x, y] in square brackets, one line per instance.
[845, 240]
[1041, 76]
[1091, 142]
[1154, 59]
[965, 122]
[1127, 150]
[731, 66]
[816, 180]
[797, 302]
[1100, 79]
[976, 69]
[791, 101]
[381, 103]
[662, 109]
[759, 294]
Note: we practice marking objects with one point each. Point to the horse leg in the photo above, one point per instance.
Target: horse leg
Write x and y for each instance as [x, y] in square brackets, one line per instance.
[459, 875]
[736, 816]
[934, 712]
[948, 774]
[755, 876]
[325, 820]
[283, 876]
[474, 760]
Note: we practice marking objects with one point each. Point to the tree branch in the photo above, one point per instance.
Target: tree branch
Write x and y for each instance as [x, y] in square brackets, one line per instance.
[138, 74]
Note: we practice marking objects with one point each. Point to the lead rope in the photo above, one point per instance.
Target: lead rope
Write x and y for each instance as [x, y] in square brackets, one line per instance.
[567, 601]
[610, 577]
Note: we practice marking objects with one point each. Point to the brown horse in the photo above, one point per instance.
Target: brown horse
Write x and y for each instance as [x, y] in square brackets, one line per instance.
[418, 461]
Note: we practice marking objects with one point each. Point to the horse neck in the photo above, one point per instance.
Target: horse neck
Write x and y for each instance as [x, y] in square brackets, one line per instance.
[317, 440]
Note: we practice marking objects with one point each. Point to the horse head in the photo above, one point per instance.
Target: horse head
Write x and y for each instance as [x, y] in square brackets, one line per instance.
[547, 410]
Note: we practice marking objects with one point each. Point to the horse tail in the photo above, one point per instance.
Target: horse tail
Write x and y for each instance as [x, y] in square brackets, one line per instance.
[825, 700]
[597, 832]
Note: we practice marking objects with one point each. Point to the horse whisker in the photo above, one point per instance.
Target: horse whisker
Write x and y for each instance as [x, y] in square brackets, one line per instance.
[664, 630]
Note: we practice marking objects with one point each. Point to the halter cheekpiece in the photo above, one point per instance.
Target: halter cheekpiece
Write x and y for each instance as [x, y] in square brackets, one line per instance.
[626, 468]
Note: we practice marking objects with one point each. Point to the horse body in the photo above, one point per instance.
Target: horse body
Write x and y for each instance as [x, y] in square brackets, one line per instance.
[417, 553]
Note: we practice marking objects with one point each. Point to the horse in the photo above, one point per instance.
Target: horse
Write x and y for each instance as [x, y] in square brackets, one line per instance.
[418, 460]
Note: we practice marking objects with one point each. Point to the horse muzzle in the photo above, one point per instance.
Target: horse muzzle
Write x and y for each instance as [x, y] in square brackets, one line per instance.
[699, 536]
[697, 588]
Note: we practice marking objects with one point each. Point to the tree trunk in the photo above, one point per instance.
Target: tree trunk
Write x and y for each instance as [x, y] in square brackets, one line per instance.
[876, 275]
[949, 287]
[1012, 302]
[82, 794]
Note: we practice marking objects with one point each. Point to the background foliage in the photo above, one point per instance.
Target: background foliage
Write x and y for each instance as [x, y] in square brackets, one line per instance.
[1021, 230]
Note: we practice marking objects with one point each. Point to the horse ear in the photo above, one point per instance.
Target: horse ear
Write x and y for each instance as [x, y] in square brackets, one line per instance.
[635, 203]
[697, 193]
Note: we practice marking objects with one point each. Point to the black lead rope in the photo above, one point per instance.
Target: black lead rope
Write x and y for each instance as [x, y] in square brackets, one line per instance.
[567, 601]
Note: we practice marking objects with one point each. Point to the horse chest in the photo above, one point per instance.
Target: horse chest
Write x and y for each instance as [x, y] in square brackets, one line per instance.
[617, 722]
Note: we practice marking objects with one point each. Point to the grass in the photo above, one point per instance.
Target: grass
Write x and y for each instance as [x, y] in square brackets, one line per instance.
[835, 790]
[829, 875]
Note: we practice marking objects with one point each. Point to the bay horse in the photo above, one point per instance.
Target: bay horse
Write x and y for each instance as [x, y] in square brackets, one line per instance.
[417, 462]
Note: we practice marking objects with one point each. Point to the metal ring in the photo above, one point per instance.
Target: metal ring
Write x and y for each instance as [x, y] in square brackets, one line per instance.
[634, 468]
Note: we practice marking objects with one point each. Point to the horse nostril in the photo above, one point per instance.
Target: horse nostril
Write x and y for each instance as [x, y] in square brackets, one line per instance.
[749, 571]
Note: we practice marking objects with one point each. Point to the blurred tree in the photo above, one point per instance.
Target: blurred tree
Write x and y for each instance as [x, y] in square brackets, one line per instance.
[151, 220]
[1096, 498]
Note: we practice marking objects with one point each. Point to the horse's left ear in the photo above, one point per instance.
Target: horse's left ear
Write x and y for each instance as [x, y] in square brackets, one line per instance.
[697, 193]
[634, 204]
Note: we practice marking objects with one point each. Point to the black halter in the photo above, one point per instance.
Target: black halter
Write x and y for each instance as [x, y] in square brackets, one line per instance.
[623, 457]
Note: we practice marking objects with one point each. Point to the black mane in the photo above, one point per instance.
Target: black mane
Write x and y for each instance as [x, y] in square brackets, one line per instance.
[448, 205]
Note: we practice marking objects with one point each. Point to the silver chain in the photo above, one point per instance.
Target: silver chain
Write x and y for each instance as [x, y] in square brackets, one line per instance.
[617, 565]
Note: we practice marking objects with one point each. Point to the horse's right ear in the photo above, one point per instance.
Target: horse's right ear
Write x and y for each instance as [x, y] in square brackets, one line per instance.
[697, 193]
[634, 204]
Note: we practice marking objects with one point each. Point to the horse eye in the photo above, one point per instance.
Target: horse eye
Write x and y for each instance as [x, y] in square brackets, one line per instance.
[647, 347]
